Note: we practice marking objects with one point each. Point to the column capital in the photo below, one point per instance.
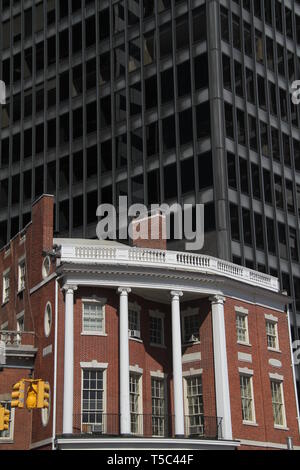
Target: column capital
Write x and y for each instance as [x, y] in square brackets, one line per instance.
[124, 290]
[69, 287]
[176, 293]
[217, 299]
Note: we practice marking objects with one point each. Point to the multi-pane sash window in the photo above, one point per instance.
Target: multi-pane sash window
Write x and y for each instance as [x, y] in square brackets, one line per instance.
[242, 328]
[272, 339]
[247, 398]
[7, 434]
[134, 388]
[195, 406]
[21, 280]
[92, 400]
[6, 287]
[93, 317]
[134, 322]
[158, 407]
[191, 328]
[277, 403]
[156, 330]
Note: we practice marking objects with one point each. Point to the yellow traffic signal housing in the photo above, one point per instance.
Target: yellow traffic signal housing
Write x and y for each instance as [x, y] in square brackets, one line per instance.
[43, 389]
[18, 395]
[31, 400]
[4, 419]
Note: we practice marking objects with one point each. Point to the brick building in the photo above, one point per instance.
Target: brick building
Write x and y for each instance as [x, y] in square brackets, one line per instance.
[143, 348]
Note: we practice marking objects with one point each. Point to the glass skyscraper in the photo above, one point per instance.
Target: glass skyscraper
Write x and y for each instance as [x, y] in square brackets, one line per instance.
[183, 101]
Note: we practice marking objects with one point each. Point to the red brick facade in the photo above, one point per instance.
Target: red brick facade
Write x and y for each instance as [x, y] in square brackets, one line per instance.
[29, 430]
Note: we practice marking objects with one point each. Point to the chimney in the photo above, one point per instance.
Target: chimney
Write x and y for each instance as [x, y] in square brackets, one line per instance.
[150, 231]
[42, 222]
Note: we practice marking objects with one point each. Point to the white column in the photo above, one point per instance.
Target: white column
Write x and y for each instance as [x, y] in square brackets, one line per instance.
[125, 428]
[177, 365]
[69, 361]
[221, 367]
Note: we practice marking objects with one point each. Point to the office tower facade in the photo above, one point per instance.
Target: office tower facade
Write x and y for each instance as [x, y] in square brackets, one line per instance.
[171, 100]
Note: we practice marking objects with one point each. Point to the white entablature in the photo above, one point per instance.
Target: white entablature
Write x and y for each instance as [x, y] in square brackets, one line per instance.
[91, 252]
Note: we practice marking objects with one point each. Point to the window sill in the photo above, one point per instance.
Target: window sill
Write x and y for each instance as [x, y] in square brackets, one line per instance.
[244, 344]
[274, 350]
[20, 291]
[191, 343]
[154, 345]
[92, 333]
[138, 340]
[5, 302]
[281, 428]
[249, 423]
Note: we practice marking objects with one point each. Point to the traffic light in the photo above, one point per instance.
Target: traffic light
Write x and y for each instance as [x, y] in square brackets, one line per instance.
[31, 400]
[18, 395]
[43, 389]
[4, 419]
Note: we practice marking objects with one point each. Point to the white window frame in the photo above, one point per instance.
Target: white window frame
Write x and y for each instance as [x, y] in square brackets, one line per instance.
[9, 438]
[242, 314]
[273, 322]
[21, 275]
[250, 377]
[161, 316]
[94, 366]
[135, 334]
[6, 286]
[189, 312]
[280, 382]
[20, 316]
[188, 375]
[162, 378]
[48, 308]
[140, 424]
[99, 301]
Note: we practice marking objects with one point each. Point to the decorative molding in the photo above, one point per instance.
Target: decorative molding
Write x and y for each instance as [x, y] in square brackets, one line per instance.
[241, 310]
[47, 350]
[192, 357]
[217, 299]
[275, 363]
[243, 357]
[69, 287]
[94, 365]
[158, 374]
[136, 369]
[192, 372]
[176, 293]
[245, 371]
[124, 290]
[279, 378]
[271, 318]
[42, 283]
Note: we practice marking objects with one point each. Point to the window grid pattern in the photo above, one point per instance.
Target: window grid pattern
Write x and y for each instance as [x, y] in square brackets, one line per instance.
[156, 330]
[93, 317]
[277, 403]
[158, 407]
[92, 397]
[134, 390]
[195, 406]
[191, 328]
[272, 339]
[247, 398]
[242, 328]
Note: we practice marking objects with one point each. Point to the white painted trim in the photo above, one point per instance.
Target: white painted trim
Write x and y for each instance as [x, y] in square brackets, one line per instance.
[192, 372]
[35, 445]
[20, 315]
[55, 365]
[157, 374]
[192, 357]
[102, 303]
[241, 310]
[4, 325]
[279, 378]
[245, 371]
[42, 283]
[275, 363]
[136, 369]
[271, 318]
[272, 445]
[243, 357]
[94, 365]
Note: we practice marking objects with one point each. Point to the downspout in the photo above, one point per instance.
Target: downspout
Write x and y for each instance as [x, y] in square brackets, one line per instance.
[55, 366]
[293, 367]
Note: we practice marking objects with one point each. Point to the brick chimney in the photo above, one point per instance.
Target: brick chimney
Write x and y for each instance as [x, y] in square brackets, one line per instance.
[152, 231]
[42, 222]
